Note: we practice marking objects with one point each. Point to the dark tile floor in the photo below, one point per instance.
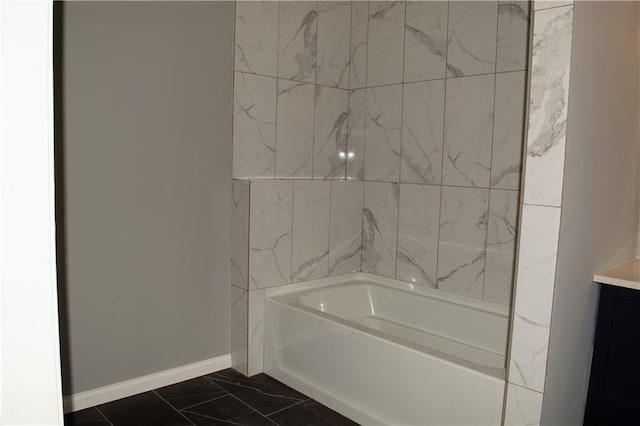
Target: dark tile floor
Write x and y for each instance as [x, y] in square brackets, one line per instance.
[222, 398]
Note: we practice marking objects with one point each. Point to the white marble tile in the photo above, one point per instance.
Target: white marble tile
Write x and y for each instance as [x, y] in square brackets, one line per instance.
[297, 41]
[508, 130]
[523, 407]
[310, 253]
[501, 245]
[257, 37]
[468, 130]
[334, 33]
[358, 51]
[536, 273]
[240, 233]
[513, 35]
[346, 227]
[330, 133]
[355, 136]
[425, 43]
[383, 133]
[472, 37]
[418, 234]
[254, 126]
[548, 106]
[385, 42]
[270, 219]
[463, 235]
[547, 4]
[238, 329]
[294, 144]
[256, 332]
[422, 132]
[380, 228]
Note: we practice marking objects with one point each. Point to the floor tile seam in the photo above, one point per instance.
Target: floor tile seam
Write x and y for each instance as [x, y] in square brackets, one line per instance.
[174, 408]
[252, 407]
[201, 403]
[287, 407]
[258, 390]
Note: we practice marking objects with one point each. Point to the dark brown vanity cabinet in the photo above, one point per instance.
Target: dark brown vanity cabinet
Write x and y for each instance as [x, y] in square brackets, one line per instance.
[614, 386]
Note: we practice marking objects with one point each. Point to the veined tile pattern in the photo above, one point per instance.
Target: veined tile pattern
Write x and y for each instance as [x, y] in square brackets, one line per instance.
[270, 233]
[536, 278]
[425, 44]
[310, 254]
[508, 130]
[358, 49]
[334, 25]
[240, 233]
[345, 241]
[472, 38]
[356, 134]
[330, 134]
[422, 132]
[501, 249]
[523, 406]
[549, 93]
[256, 332]
[383, 133]
[468, 130]
[257, 37]
[463, 235]
[380, 228]
[385, 42]
[254, 126]
[513, 35]
[238, 329]
[294, 152]
[547, 4]
[297, 40]
[419, 215]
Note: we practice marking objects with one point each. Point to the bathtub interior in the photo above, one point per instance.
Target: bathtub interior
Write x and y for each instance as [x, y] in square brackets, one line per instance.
[469, 332]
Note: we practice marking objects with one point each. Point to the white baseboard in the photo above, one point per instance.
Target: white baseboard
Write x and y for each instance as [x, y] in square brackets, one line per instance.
[80, 401]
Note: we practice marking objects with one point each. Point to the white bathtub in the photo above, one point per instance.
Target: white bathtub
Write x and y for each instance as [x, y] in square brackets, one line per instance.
[382, 351]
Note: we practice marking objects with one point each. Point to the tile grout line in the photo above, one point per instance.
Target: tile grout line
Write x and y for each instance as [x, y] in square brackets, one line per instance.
[174, 408]
[205, 402]
[285, 409]
[103, 416]
[251, 407]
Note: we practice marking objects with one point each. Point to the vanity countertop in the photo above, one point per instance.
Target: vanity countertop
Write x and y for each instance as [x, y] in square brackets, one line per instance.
[626, 274]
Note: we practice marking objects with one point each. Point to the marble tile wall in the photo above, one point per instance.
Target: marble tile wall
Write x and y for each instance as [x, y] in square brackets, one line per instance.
[541, 208]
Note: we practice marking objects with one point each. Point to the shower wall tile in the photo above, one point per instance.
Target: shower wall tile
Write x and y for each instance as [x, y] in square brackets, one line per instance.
[310, 252]
[472, 38]
[419, 215]
[256, 332]
[257, 37]
[334, 25]
[536, 278]
[513, 35]
[345, 240]
[294, 144]
[330, 133]
[548, 106]
[508, 130]
[380, 228]
[355, 137]
[240, 233]
[547, 4]
[425, 42]
[383, 133]
[238, 329]
[463, 235]
[298, 40]
[358, 50]
[386, 42]
[501, 245]
[422, 132]
[523, 407]
[270, 233]
[468, 130]
[254, 126]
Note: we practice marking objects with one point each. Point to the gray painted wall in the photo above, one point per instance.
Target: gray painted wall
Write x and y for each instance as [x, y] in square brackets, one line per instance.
[600, 198]
[145, 142]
